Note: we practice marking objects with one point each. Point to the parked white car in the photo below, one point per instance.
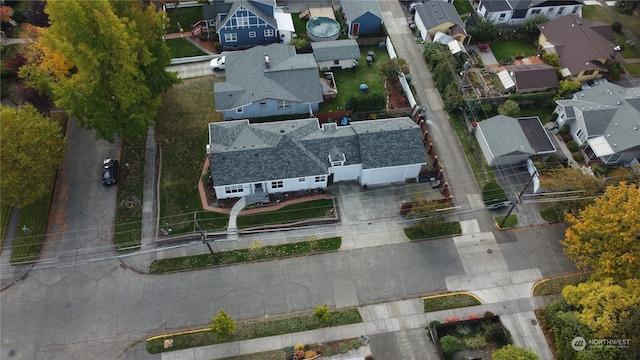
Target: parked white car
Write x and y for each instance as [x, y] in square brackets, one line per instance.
[217, 64]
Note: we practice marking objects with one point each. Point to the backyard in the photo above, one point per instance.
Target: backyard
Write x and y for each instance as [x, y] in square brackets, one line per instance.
[505, 50]
[183, 18]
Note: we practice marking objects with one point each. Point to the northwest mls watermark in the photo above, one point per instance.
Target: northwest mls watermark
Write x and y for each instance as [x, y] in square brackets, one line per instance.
[579, 343]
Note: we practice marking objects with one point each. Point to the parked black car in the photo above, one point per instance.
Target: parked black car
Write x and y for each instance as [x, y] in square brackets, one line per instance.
[110, 171]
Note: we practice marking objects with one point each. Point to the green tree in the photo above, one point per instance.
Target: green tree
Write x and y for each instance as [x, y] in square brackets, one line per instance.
[32, 148]
[575, 189]
[627, 7]
[119, 63]
[604, 306]
[449, 344]
[509, 108]
[394, 67]
[605, 236]
[551, 59]
[323, 314]
[530, 26]
[301, 44]
[568, 86]
[512, 352]
[483, 31]
[223, 325]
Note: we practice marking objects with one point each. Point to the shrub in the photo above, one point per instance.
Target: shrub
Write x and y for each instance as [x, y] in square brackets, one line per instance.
[217, 46]
[473, 317]
[494, 332]
[577, 156]
[328, 351]
[366, 102]
[509, 108]
[369, 357]
[434, 323]
[553, 158]
[488, 314]
[343, 348]
[616, 26]
[449, 344]
[599, 169]
[463, 329]
[323, 314]
[203, 35]
[564, 129]
[223, 325]
[451, 319]
[573, 145]
[567, 137]
[493, 193]
[475, 342]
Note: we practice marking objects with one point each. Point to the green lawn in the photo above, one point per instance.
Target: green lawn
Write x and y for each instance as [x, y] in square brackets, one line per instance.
[543, 113]
[633, 69]
[463, 6]
[447, 302]
[555, 286]
[348, 82]
[445, 229]
[288, 214]
[183, 48]
[511, 221]
[478, 164]
[255, 252]
[596, 12]
[185, 16]
[505, 49]
[630, 51]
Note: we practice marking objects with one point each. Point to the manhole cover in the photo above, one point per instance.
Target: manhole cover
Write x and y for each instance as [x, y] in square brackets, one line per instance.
[489, 251]
[533, 322]
[12, 353]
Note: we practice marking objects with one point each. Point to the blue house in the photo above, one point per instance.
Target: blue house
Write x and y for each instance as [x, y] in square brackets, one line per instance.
[268, 80]
[362, 17]
[242, 23]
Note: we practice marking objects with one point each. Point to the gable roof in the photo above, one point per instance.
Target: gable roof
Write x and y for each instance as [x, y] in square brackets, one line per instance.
[249, 5]
[336, 50]
[496, 5]
[505, 5]
[611, 111]
[505, 136]
[577, 42]
[299, 148]
[435, 13]
[353, 9]
[534, 76]
[290, 76]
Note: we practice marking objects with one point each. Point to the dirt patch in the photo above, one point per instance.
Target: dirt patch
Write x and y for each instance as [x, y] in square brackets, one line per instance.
[396, 97]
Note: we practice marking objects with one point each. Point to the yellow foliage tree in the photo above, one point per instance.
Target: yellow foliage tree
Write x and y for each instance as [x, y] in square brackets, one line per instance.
[605, 236]
[604, 306]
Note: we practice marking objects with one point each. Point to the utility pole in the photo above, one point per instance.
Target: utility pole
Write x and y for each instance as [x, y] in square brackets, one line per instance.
[204, 238]
[518, 198]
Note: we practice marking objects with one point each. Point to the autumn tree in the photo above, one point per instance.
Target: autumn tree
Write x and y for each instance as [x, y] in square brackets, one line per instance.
[509, 108]
[604, 306]
[119, 61]
[605, 236]
[572, 189]
[32, 147]
[512, 352]
[223, 325]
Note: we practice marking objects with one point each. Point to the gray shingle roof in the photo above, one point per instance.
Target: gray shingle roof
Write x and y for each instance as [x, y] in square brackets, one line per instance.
[435, 13]
[290, 76]
[496, 5]
[245, 153]
[505, 136]
[610, 110]
[353, 9]
[335, 50]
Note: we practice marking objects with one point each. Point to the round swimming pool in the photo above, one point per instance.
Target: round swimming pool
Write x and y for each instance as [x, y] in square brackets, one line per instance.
[322, 29]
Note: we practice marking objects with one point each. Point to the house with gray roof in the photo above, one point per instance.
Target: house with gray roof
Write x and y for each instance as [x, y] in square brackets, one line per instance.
[439, 16]
[296, 155]
[507, 141]
[268, 80]
[336, 54]
[363, 17]
[584, 47]
[516, 12]
[605, 121]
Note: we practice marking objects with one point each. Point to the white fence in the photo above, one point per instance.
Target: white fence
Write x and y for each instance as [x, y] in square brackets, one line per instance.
[402, 77]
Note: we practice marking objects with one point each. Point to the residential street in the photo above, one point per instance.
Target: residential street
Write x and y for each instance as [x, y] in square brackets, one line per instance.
[81, 301]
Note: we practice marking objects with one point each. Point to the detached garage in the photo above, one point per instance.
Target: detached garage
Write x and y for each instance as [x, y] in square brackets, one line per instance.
[507, 141]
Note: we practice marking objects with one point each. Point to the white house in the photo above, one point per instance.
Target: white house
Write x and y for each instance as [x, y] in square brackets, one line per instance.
[516, 12]
[605, 121]
[294, 155]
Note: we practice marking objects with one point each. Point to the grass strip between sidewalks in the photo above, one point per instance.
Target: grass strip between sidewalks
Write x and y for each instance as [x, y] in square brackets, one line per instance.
[555, 286]
[254, 253]
[253, 330]
[444, 229]
[449, 301]
[511, 222]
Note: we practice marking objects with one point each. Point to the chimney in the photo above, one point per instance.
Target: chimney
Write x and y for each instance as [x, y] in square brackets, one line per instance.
[266, 60]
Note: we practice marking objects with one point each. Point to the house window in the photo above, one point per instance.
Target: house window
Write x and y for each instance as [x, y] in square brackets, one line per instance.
[302, 179]
[243, 21]
[252, 34]
[263, 105]
[336, 62]
[284, 104]
[233, 189]
[613, 158]
[560, 10]
[535, 11]
[231, 37]
[268, 32]
[581, 136]
[575, 9]
[239, 110]
[320, 178]
[550, 11]
[588, 72]
[502, 16]
[277, 184]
